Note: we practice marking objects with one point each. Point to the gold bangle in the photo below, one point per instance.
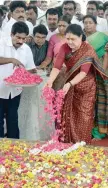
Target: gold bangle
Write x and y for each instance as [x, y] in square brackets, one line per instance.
[71, 84]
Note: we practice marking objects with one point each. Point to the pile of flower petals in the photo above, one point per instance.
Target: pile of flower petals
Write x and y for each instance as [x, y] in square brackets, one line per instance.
[53, 146]
[56, 147]
[23, 77]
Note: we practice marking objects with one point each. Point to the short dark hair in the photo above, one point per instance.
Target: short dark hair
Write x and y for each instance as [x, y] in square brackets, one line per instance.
[32, 2]
[65, 19]
[34, 9]
[17, 4]
[1, 12]
[3, 7]
[52, 11]
[41, 29]
[101, 8]
[90, 16]
[59, 10]
[20, 27]
[93, 3]
[100, 3]
[76, 30]
[106, 5]
[67, 2]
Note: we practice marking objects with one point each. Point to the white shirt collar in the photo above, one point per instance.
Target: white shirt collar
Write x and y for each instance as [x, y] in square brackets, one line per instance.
[52, 31]
[12, 20]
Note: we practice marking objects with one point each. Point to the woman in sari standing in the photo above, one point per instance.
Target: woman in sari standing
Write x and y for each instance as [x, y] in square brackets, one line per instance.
[77, 115]
[99, 42]
[97, 39]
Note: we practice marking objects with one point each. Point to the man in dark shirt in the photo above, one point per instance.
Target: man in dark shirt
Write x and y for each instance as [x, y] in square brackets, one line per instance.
[39, 45]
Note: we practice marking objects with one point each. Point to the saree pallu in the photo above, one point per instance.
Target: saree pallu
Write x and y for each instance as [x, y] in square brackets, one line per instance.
[98, 41]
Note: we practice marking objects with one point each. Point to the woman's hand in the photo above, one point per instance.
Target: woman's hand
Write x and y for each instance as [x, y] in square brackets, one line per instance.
[43, 65]
[40, 68]
[66, 88]
[53, 76]
[33, 71]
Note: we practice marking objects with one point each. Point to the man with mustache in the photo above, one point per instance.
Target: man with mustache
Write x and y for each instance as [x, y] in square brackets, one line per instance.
[32, 14]
[13, 53]
[69, 9]
[18, 13]
[52, 17]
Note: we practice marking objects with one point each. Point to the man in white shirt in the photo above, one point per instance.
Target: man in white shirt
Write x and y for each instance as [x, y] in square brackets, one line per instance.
[52, 17]
[32, 14]
[13, 52]
[69, 9]
[78, 12]
[44, 5]
[18, 13]
[41, 13]
[92, 9]
[101, 11]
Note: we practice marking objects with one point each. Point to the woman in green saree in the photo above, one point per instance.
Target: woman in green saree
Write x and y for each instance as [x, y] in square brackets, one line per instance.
[97, 40]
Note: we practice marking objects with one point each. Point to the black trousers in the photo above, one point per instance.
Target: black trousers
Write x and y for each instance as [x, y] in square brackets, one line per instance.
[9, 110]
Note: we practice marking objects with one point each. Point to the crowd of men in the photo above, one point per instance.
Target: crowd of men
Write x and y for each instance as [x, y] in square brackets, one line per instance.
[37, 12]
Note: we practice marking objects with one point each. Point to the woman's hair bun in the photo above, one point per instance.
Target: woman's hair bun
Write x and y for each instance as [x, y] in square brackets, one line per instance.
[83, 37]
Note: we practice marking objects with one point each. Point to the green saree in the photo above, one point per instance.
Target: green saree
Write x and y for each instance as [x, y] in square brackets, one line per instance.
[98, 41]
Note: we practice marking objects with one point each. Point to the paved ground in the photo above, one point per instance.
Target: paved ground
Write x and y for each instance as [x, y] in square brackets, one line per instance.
[103, 142]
